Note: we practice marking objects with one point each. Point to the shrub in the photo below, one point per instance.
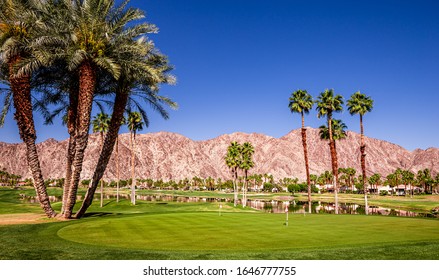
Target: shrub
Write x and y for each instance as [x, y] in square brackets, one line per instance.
[384, 193]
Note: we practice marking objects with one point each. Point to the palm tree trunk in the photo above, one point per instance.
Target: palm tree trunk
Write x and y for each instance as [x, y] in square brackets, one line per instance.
[244, 191]
[363, 163]
[101, 180]
[72, 114]
[133, 184]
[87, 82]
[21, 94]
[117, 169]
[305, 155]
[333, 151]
[235, 187]
[110, 138]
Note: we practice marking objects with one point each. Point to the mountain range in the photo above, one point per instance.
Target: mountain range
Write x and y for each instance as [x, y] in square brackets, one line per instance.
[166, 156]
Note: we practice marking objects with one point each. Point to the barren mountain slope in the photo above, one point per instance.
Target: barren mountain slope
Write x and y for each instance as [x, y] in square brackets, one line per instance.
[167, 156]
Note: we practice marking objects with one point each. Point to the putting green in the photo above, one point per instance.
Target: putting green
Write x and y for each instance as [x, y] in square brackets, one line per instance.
[248, 231]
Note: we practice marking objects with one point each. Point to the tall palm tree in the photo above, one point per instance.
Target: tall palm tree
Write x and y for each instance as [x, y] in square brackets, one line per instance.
[118, 165]
[360, 104]
[375, 180]
[327, 104]
[425, 180]
[100, 124]
[398, 177]
[18, 25]
[407, 179]
[135, 123]
[301, 102]
[233, 161]
[246, 152]
[143, 69]
[350, 172]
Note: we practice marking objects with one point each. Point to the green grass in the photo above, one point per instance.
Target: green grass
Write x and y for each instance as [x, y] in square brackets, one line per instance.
[162, 230]
[419, 203]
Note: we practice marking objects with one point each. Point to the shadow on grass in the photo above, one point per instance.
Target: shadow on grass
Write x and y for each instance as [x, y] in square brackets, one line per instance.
[100, 214]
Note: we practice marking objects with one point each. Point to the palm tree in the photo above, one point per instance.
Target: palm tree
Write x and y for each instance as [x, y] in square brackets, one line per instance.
[142, 70]
[338, 130]
[100, 124]
[301, 102]
[398, 177]
[375, 180]
[360, 104]
[18, 25]
[425, 180]
[407, 179]
[117, 165]
[327, 104]
[246, 153]
[135, 123]
[233, 161]
[350, 172]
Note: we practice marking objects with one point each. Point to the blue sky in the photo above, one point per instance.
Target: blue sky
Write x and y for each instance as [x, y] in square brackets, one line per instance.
[237, 62]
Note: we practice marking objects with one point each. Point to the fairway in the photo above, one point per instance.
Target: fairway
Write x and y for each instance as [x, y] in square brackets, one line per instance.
[249, 232]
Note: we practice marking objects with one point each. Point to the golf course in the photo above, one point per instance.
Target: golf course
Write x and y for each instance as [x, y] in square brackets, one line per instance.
[172, 230]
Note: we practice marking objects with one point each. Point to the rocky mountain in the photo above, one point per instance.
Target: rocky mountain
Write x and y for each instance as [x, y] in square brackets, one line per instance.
[167, 156]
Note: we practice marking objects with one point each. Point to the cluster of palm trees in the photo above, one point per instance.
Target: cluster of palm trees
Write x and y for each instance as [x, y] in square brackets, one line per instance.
[239, 157]
[66, 55]
[329, 103]
[7, 178]
[422, 179]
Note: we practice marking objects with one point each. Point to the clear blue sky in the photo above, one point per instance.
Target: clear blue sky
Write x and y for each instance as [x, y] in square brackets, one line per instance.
[238, 61]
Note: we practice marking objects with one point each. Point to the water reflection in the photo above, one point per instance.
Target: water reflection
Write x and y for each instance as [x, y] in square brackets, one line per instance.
[269, 206]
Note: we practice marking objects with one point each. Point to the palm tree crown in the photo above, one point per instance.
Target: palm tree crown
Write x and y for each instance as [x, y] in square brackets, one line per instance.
[360, 104]
[232, 157]
[100, 123]
[134, 122]
[338, 130]
[327, 103]
[246, 152]
[300, 102]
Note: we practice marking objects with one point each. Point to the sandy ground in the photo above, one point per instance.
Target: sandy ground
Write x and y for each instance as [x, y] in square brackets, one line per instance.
[25, 218]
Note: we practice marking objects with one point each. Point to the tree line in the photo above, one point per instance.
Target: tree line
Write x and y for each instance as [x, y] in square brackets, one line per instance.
[349, 180]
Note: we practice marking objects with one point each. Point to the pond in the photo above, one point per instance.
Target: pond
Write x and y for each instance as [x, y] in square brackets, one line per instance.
[269, 206]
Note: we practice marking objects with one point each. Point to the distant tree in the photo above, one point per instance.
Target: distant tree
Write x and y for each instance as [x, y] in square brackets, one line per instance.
[360, 104]
[313, 178]
[425, 180]
[327, 104]
[117, 164]
[374, 181]
[349, 173]
[134, 123]
[100, 124]
[301, 102]
[233, 161]
[408, 179]
[246, 153]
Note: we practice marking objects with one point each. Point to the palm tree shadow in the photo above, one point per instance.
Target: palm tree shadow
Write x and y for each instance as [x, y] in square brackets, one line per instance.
[100, 214]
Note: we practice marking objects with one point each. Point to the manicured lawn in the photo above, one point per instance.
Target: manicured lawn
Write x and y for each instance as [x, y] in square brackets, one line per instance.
[162, 230]
[241, 232]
